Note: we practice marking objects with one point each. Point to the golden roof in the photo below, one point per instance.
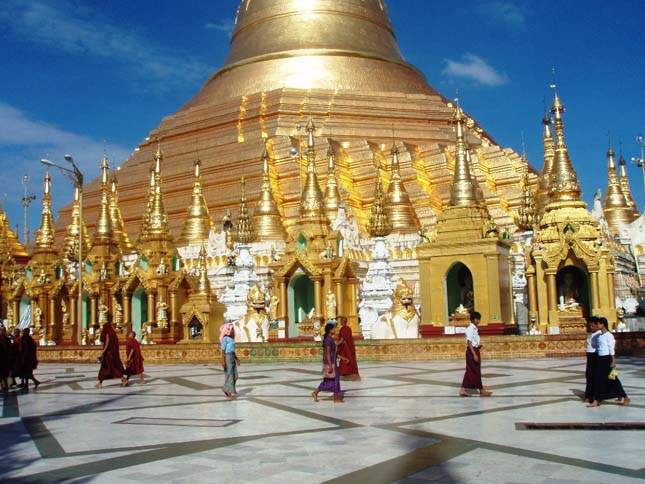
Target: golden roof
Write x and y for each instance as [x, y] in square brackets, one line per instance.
[12, 242]
[617, 212]
[45, 234]
[463, 193]
[70, 242]
[564, 186]
[397, 201]
[347, 45]
[267, 218]
[624, 185]
[118, 227]
[198, 223]
[332, 198]
[542, 194]
[379, 224]
[103, 233]
[245, 233]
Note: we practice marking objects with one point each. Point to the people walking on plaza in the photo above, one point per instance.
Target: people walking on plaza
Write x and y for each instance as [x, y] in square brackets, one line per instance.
[111, 365]
[134, 358]
[5, 367]
[331, 375]
[592, 356]
[230, 361]
[473, 375]
[348, 366]
[15, 356]
[29, 360]
[606, 384]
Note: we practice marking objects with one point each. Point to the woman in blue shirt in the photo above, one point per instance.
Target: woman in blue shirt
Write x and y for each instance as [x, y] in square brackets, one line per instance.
[229, 360]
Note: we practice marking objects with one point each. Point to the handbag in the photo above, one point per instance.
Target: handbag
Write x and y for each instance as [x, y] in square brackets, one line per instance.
[328, 371]
[612, 374]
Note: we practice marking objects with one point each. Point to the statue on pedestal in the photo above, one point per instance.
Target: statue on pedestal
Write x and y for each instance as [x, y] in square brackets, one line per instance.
[254, 326]
[103, 274]
[65, 314]
[273, 308]
[403, 320]
[118, 313]
[162, 314]
[103, 312]
[162, 269]
[330, 304]
[38, 316]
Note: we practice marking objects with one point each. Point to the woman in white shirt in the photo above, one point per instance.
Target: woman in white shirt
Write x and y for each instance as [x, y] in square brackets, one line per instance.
[605, 388]
[592, 356]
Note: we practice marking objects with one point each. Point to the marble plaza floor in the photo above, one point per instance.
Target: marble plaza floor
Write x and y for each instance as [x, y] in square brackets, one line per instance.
[403, 423]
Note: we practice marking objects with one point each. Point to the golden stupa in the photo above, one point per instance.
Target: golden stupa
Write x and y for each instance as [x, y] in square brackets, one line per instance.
[336, 62]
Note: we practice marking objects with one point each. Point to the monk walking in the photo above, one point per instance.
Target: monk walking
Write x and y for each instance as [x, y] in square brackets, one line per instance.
[348, 366]
[111, 365]
[473, 375]
[134, 358]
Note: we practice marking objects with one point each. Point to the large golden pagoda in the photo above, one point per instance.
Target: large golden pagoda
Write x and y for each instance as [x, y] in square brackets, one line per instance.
[338, 62]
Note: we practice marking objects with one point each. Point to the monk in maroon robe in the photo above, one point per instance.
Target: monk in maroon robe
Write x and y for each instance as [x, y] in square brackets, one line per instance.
[348, 367]
[134, 358]
[111, 365]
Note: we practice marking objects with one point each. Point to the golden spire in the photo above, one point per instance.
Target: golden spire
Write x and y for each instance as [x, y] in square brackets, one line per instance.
[71, 237]
[45, 234]
[14, 245]
[204, 285]
[245, 233]
[103, 233]
[397, 201]
[198, 222]
[527, 216]
[563, 186]
[267, 218]
[311, 205]
[143, 233]
[617, 212]
[158, 222]
[624, 185]
[463, 193]
[379, 224]
[332, 194]
[118, 227]
[547, 168]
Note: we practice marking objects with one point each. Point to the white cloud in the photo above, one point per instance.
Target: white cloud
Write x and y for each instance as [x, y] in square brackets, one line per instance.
[508, 12]
[476, 69]
[227, 26]
[24, 141]
[76, 30]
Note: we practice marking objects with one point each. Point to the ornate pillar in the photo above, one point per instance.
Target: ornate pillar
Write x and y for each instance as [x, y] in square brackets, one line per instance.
[127, 311]
[340, 298]
[93, 309]
[611, 289]
[283, 305]
[552, 291]
[73, 311]
[174, 309]
[318, 297]
[595, 292]
[531, 284]
[152, 310]
[51, 330]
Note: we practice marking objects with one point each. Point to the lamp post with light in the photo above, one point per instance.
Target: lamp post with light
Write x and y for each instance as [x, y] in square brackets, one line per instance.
[640, 162]
[75, 175]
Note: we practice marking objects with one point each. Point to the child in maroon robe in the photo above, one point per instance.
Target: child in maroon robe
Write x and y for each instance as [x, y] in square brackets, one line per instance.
[134, 358]
[348, 366]
[111, 365]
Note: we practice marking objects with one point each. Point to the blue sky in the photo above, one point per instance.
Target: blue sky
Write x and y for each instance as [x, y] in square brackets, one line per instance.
[75, 72]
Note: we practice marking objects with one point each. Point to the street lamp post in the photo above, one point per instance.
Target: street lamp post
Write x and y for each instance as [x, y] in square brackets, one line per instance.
[75, 175]
[640, 162]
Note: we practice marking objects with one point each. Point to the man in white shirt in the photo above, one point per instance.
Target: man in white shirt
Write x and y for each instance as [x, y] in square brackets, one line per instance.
[473, 375]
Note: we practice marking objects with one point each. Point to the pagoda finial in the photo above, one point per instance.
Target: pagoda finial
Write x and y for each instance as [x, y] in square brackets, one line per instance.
[71, 237]
[198, 223]
[379, 225]
[617, 212]
[547, 167]
[158, 223]
[245, 233]
[45, 236]
[398, 206]
[103, 231]
[118, 226]
[332, 198]
[564, 186]
[624, 185]
[527, 216]
[204, 285]
[266, 218]
[143, 233]
[463, 192]
[311, 202]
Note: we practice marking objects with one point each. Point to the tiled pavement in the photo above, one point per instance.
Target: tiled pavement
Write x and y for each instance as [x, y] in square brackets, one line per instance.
[403, 423]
